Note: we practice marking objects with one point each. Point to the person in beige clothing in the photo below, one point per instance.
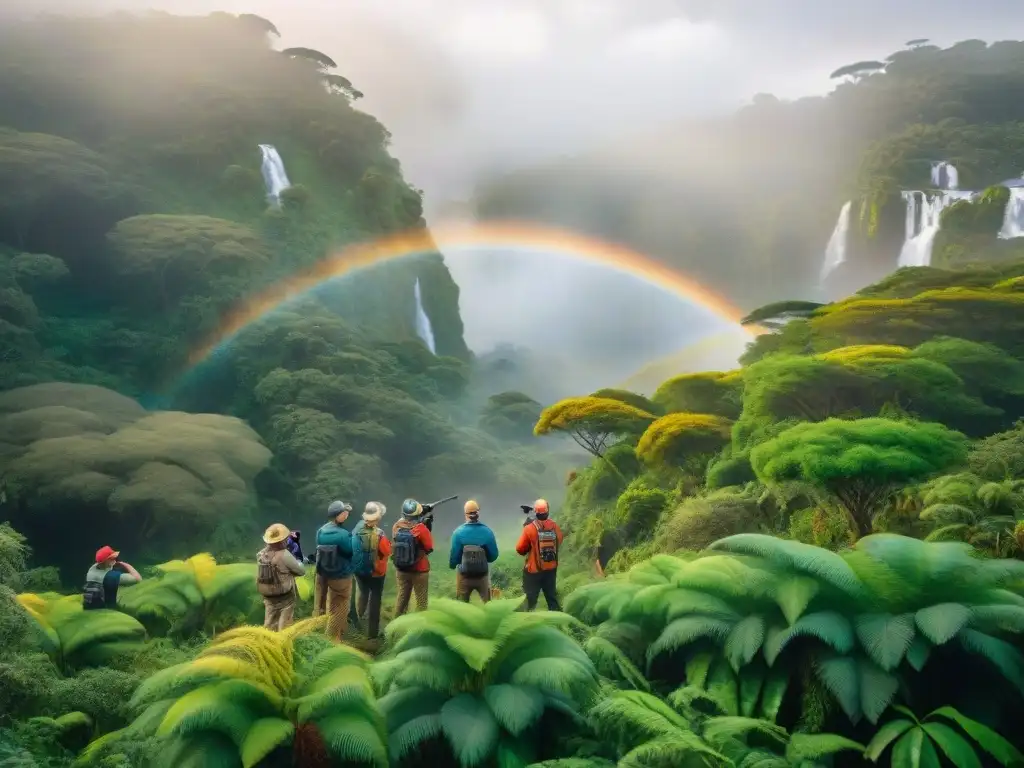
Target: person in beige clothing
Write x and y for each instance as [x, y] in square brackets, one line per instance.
[276, 569]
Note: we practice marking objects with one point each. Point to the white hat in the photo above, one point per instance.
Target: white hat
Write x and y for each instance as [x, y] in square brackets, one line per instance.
[374, 511]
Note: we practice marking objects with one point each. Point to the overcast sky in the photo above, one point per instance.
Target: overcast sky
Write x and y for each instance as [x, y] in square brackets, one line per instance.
[471, 85]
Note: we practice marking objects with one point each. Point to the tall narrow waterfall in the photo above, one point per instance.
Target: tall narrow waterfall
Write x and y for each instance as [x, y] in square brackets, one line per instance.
[423, 327]
[1013, 219]
[274, 176]
[922, 224]
[835, 251]
[945, 176]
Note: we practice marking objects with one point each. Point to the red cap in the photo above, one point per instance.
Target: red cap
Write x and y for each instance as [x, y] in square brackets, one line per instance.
[105, 553]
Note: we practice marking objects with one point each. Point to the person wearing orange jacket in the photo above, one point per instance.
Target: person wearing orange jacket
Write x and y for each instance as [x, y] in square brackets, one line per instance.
[411, 543]
[539, 544]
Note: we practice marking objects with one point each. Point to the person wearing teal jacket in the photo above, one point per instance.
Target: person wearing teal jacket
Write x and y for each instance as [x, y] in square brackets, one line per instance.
[473, 549]
[334, 570]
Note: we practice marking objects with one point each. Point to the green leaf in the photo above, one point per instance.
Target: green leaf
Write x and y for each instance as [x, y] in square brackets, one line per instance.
[772, 693]
[956, 747]
[793, 594]
[264, 737]
[407, 737]
[884, 736]
[812, 746]
[940, 623]
[885, 637]
[907, 751]
[350, 738]
[470, 728]
[515, 707]
[744, 641]
[683, 631]
[986, 738]
[829, 627]
[918, 653]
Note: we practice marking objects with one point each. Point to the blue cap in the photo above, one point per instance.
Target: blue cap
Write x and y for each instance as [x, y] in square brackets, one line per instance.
[337, 507]
[412, 508]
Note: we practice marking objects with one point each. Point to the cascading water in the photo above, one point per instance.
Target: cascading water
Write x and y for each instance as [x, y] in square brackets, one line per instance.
[274, 176]
[835, 251]
[945, 176]
[1013, 219]
[924, 212]
[423, 328]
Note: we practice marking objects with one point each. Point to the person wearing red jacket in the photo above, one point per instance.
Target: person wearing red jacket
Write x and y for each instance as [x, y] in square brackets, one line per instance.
[411, 543]
[539, 544]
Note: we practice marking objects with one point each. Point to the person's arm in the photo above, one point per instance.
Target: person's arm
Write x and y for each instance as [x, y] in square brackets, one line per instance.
[130, 576]
[293, 565]
[455, 555]
[491, 547]
[523, 547]
[426, 540]
[383, 546]
[558, 533]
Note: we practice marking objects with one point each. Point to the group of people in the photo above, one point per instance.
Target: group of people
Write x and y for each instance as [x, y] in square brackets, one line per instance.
[360, 556]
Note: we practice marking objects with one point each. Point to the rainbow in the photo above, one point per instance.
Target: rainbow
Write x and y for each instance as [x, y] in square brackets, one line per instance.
[486, 235]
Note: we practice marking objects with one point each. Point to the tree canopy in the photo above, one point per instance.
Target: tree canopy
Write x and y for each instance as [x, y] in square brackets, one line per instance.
[858, 462]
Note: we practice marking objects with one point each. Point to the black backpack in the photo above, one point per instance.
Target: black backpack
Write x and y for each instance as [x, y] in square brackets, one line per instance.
[405, 549]
[474, 560]
[94, 596]
[328, 558]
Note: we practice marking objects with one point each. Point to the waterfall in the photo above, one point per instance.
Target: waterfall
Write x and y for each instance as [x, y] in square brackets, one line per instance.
[924, 213]
[835, 251]
[1013, 219]
[423, 328]
[274, 176]
[945, 176]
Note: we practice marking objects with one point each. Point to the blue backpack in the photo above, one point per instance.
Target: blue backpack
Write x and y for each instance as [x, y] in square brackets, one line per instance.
[405, 549]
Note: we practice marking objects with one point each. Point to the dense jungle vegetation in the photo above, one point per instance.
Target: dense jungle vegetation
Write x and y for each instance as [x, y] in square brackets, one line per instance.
[814, 559]
[762, 189]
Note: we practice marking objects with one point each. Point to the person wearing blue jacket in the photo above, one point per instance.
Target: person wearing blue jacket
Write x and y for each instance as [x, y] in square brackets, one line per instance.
[334, 570]
[474, 548]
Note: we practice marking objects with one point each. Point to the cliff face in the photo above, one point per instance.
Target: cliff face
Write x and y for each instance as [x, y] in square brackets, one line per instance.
[129, 152]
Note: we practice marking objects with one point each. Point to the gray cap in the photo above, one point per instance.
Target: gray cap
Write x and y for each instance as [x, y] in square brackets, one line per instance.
[337, 507]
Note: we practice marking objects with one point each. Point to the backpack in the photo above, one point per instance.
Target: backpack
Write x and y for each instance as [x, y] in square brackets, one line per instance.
[93, 596]
[474, 560]
[268, 578]
[547, 548]
[365, 553]
[328, 558]
[405, 551]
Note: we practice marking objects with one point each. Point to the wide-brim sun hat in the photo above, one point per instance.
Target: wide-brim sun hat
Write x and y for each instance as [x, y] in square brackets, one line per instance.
[276, 533]
[374, 511]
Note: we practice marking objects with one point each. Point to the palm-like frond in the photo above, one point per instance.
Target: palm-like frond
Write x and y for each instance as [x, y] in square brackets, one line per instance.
[754, 603]
[192, 595]
[75, 637]
[480, 675]
[243, 698]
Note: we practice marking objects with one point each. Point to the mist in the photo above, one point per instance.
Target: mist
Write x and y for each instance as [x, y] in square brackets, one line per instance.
[471, 90]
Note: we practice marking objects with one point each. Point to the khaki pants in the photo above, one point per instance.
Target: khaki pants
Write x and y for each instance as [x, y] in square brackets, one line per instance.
[336, 596]
[465, 586]
[408, 583]
[279, 612]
